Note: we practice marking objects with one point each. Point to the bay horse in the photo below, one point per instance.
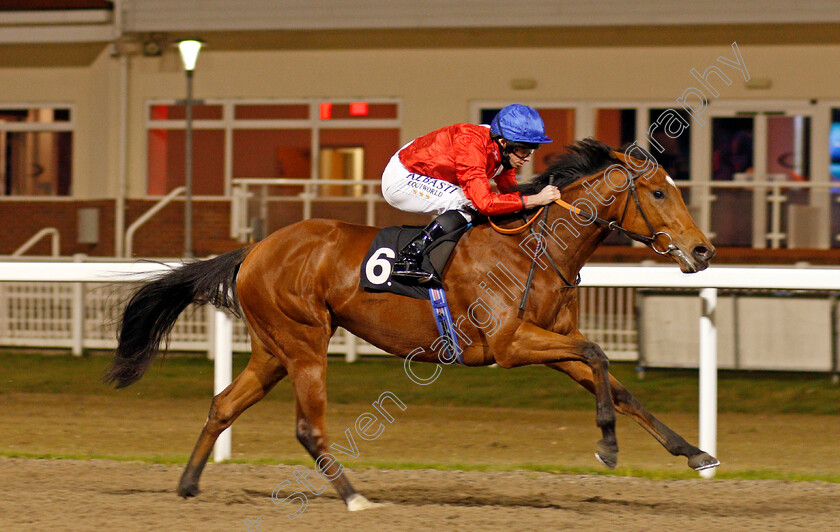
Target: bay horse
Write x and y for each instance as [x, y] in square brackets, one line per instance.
[295, 287]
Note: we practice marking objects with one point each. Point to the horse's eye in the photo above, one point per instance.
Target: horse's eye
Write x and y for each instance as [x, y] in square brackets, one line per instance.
[658, 194]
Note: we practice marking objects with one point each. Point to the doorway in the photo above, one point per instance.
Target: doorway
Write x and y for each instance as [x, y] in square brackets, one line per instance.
[758, 171]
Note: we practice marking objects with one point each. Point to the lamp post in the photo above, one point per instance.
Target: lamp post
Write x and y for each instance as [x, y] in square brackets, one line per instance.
[189, 49]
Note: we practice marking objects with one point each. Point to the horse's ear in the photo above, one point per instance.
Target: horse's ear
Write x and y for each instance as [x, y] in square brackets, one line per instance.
[646, 166]
[621, 157]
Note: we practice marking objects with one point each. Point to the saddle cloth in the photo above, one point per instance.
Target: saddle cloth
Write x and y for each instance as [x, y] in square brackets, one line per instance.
[379, 261]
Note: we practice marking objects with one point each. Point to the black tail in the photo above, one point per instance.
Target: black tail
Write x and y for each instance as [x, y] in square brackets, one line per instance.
[153, 309]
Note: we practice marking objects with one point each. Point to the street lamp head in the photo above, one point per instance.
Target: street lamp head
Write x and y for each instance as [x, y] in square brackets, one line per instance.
[189, 49]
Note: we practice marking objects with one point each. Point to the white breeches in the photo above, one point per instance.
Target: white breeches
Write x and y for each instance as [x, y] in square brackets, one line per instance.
[412, 192]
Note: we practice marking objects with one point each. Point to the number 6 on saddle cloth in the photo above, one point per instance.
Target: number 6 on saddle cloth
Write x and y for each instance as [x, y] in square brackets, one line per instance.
[376, 270]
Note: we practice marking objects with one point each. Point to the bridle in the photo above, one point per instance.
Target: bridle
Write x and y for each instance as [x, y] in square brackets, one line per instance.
[649, 240]
[618, 226]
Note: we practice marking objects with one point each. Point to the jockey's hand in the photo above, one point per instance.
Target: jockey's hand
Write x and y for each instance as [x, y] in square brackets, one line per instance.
[543, 197]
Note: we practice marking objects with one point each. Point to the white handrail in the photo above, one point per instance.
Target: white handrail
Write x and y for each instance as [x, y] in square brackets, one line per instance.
[302, 181]
[129, 234]
[239, 227]
[56, 242]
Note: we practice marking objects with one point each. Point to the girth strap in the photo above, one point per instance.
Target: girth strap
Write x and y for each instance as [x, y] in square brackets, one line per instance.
[446, 328]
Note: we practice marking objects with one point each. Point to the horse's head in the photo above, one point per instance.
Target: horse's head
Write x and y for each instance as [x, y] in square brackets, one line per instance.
[656, 208]
[627, 192]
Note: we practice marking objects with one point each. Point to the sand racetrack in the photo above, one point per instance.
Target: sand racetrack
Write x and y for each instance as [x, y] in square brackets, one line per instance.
[126, 494]
[110, 495]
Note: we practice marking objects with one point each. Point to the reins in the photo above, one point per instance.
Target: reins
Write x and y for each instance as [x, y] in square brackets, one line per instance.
[516, 230]
[611, 225]
[649, 240]
[540, 240]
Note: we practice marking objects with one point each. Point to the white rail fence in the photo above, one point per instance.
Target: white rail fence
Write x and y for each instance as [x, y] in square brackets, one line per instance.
[708, 282]
[80, 316]
[49, 315]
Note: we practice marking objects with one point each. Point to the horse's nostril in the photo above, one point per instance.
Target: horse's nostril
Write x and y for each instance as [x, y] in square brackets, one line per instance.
[702, 253]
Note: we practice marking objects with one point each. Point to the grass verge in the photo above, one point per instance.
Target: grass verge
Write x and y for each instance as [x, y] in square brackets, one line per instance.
[662, 390]
[540, 468]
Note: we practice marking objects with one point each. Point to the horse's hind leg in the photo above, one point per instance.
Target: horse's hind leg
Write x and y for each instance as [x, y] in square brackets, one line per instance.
[263, 371]
[309, 381]
[628, 405]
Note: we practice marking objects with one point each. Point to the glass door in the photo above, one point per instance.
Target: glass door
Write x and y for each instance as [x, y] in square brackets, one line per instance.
[732, 154]
[759, 173]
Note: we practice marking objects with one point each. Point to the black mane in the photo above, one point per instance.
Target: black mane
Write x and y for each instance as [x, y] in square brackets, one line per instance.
[584, 157]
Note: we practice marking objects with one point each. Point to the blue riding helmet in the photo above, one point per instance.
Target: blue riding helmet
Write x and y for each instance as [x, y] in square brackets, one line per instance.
[520, 123]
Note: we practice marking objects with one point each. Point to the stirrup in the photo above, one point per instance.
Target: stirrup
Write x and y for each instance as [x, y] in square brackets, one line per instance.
[411, 271]
[414, 277]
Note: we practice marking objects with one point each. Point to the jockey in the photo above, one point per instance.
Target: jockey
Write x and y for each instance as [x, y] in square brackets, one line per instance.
[447, 172]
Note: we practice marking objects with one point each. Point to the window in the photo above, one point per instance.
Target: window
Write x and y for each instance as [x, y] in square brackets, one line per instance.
[834, 145]
[615, 127]
[167, 144]
[36, 151]
[834, 171]
[269, 139]
[674, 141]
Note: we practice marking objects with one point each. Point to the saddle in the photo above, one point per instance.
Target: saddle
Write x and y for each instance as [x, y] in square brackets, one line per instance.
[379, 261]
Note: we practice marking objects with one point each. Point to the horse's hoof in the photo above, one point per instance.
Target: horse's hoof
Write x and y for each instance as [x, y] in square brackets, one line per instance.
[703, 461]
[609, 462]
[607, 456]
[188, 491]
[357, 502]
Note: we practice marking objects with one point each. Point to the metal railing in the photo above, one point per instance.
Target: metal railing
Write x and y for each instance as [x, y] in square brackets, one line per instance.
[255, 192]
[34, 239]
[82, 316]
[764, 214]
[49, 314]
[146, 216]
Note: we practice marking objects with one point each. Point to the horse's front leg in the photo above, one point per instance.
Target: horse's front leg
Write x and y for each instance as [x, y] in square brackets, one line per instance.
[628, 405]
[531, 345]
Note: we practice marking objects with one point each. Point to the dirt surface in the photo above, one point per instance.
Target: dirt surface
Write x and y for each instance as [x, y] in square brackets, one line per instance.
[130, 427]
[101, 494]
[96, 494]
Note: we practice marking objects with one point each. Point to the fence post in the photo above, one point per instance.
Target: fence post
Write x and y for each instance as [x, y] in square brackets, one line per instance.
[4, 312]
[77, 312]
[223, 374]
[371, 197]
[708, 376]
[351, 347]
[210, 320]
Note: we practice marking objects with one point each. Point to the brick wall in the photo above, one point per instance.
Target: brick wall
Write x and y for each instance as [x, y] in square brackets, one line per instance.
[161, 236]
[22, 219]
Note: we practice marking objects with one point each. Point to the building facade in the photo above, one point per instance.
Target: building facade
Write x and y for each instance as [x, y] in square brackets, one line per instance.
[740, 103]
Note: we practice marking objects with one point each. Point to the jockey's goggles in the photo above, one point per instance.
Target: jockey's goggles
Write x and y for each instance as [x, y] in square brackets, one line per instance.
[522, 153]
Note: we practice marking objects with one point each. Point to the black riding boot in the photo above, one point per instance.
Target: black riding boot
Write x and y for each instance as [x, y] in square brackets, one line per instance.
[408, 266]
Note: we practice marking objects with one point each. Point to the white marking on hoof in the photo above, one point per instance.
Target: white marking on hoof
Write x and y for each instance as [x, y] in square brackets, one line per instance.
[598, 457]
[358, 502]
[707, 466]
[605, 464]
